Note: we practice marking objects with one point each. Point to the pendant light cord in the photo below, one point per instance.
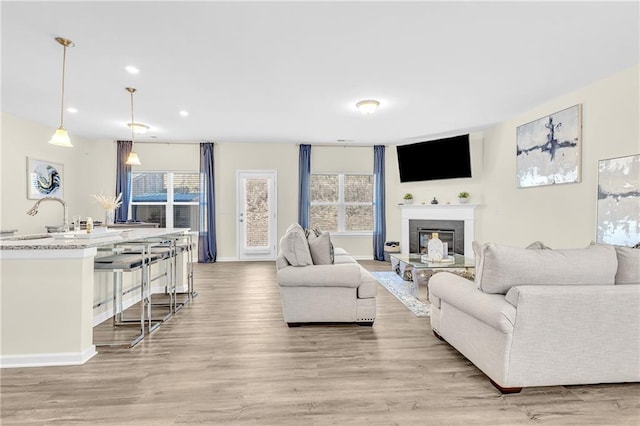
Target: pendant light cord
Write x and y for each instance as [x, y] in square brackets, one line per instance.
[132, 126]
[64, 61]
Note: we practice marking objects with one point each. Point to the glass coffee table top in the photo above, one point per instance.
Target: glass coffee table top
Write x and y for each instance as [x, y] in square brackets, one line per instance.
[415, 259]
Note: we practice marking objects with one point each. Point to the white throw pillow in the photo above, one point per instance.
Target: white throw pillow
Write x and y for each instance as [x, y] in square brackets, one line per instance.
[321, 248]
[628, 265]
[503, 267]
[295, 248]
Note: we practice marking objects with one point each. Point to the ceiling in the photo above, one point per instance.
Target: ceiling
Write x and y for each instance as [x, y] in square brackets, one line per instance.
[293, 71]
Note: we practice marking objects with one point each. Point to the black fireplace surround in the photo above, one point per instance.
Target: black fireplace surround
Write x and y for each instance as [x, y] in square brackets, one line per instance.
[457, 226]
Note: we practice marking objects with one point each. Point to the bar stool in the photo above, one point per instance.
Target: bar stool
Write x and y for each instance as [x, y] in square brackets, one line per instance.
[163, 254]
[118, 264]
[186, 247]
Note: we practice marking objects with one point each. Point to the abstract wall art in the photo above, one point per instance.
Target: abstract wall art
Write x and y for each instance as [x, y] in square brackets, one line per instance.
[548, 149]
[619, 201]
[44, 179]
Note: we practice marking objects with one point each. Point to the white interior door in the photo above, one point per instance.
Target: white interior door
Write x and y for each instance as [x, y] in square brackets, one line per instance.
[256, 215]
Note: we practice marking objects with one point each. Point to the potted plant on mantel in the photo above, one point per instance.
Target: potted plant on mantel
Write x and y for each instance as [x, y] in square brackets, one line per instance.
[408, 198]
[463, 197]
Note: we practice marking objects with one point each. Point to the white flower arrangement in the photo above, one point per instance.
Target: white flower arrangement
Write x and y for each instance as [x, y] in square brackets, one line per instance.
[109, 203]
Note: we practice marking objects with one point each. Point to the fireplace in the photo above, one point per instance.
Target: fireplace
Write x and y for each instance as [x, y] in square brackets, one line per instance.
[449, 231]
[445, 218]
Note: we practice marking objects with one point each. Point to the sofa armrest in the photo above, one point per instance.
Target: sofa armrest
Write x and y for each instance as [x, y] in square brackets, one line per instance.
[593, 326]
[491, 309]
[346, 275]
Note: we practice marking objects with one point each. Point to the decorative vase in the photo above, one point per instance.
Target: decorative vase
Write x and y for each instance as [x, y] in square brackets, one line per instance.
[109, 215]
[434, 201]
[408, 201]
[435, 248]
[463, 200]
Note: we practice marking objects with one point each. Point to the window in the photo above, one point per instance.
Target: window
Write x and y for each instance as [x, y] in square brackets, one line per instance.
[168, 198]
[342, 202]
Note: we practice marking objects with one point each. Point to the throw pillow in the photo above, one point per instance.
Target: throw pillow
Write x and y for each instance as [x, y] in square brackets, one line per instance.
[321, 247]
[628, 265]
[502, 267]
[295, 248]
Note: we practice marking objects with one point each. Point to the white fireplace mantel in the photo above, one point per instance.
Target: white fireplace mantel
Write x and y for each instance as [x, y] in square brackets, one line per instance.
[463, 212]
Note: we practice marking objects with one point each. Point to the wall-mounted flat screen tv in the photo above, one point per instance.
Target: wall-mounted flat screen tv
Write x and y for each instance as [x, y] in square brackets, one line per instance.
[438, 159]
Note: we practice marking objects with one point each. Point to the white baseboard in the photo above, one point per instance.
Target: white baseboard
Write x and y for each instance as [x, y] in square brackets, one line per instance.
[227, 259]
[47, 359]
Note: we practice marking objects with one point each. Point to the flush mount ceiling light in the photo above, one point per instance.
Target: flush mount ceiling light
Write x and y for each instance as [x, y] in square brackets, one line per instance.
[139, 128]
[61, 137]
[131, 69]
[133, 159]
[368, 106]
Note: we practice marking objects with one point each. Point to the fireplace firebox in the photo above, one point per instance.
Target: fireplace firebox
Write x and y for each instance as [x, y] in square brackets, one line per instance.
[447, 236]
[449, 231]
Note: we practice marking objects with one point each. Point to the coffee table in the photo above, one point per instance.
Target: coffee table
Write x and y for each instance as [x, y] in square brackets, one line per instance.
[410, 267]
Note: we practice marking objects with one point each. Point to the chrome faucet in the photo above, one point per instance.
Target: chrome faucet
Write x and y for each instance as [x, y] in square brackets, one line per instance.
[65, 226]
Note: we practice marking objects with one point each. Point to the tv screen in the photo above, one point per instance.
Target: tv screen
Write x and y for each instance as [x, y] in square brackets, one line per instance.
[439, 159]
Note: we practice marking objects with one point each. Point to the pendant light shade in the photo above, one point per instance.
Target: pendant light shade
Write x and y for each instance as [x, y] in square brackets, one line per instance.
[61, 137]
[132, 159]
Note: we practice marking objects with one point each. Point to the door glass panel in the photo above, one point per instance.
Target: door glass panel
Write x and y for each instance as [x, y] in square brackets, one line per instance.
[257, 212]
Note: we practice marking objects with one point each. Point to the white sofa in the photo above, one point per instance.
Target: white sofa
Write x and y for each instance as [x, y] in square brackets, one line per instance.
[544, 317]
[322, 288]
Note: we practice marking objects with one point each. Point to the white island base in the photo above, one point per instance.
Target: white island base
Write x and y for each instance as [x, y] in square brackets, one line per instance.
[47, 314]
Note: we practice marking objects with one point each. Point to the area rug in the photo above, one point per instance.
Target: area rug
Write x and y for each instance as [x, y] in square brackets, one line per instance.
[402, 290]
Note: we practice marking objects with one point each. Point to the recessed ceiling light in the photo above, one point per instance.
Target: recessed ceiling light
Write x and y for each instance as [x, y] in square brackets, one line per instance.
[72, 110]
[131, 69]
[184, 113]
[368, 106]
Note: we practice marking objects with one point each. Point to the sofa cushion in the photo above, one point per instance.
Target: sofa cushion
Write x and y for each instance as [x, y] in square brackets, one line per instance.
[368, 285]
[502, 267]
[628, 265]
[295, 248]
[321, 248]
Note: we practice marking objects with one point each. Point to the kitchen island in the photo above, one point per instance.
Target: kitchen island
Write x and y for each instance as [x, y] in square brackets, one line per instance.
[47, 292]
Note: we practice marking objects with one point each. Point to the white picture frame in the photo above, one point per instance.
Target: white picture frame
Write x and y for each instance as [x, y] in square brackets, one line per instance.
[44, 179]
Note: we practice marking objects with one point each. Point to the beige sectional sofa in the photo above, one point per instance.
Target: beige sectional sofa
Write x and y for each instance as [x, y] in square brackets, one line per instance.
[544, 317]
[320, 284]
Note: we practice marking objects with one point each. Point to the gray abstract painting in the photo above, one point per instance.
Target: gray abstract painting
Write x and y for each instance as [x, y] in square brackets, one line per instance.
[619, 201]
[548, 149]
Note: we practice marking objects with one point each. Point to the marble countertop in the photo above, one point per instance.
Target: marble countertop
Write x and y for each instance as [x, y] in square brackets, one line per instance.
[48, 242]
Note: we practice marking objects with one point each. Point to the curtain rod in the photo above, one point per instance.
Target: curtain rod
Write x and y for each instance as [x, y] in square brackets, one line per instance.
[341, 146]
[167, 142]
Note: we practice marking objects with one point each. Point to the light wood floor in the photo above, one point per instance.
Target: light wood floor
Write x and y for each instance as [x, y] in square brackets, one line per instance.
[229, 358]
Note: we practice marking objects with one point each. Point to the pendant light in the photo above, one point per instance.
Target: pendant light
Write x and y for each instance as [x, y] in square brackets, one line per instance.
[133, 159]
[61, 137]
